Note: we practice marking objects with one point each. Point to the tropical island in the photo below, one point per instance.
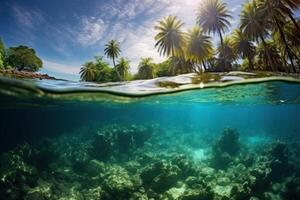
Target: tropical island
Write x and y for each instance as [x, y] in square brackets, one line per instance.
[216, 117]
[267, 39]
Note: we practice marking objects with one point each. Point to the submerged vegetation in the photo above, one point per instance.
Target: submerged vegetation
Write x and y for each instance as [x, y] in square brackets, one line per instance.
[129, 161]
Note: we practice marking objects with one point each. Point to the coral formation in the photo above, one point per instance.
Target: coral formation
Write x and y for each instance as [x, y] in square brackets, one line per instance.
[149, 165]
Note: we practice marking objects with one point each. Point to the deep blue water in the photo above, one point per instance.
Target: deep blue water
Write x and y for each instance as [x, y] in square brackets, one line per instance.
[239, 142]
[267, 110]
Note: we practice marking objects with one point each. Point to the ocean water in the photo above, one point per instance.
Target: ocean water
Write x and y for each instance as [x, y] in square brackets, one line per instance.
[237, 142]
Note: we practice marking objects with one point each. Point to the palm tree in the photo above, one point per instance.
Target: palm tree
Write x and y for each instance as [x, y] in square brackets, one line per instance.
[213, 17]
[170, 39]
[112, 51]
[274, 12]
[254, 26]
[88, 72]
[227, 55]
[288, 7]
[146, 69]
[123, 67]
[199, 46]
[243, 46]
[180, 65]
[269, 48]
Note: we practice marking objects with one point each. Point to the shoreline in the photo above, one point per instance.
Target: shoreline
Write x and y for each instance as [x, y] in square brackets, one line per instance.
[140, 88]
[12, 73]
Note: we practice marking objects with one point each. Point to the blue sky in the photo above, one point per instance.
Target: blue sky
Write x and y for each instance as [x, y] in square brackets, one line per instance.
[66, 33]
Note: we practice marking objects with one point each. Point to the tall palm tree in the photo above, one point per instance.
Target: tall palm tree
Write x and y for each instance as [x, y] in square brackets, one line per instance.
[199, 46]
[180, 65]
[269, 48]
[288, 7]
[227, 55]
[274, 12]
[169, 39]
[112, 50]
[213, 16]
[243, 46]
[146, 68]
[123, 68]
[88, 72]
[254, 26]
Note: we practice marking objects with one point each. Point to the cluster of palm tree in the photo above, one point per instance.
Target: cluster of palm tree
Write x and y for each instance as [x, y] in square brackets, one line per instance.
[268, 38]
[100, 71]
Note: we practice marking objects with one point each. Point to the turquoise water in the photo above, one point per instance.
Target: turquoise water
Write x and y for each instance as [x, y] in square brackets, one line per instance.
[185, 145]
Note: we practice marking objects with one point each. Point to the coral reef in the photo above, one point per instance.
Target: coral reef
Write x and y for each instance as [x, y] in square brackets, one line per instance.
[150, 164]
[225, 149]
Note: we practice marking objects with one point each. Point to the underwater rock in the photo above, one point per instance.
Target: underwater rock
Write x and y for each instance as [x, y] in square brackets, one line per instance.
[142, 135]
[43, 155]
[220, 160]
[95, 168]
[132, 137]
[259, 179]
[240, 192]
[16, 175]
[101, 147]
[186, 165]
[124, 140]
[278, 160]
[42, 191]
[225, 149]
[160, 176]
[93, 193]
[198, 194]
[229, 142]
[117, 184]
[292, 189]
[174, 193]
[140, 195]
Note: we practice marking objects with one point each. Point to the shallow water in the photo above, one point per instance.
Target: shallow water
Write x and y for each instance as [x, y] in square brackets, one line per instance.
[146, 141]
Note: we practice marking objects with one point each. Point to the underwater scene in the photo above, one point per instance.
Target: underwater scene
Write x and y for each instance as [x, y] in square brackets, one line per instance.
[238, 142]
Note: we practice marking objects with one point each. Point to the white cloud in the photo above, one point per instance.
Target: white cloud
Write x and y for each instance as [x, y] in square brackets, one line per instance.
[91, 30]
[27, 19]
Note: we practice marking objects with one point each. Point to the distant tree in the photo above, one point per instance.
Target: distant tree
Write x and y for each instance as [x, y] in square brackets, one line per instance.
[24, 58]
[88, 72]
[180, 65]
[199, 47]
[227, 55]
[2, 54]
[163, 68]
[123, 68]
[243, 47]
[104, 72]
[112, 50]
[146, 69]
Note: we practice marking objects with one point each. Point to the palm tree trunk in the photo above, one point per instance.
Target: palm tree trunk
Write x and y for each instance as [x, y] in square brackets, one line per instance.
[204, 65]
[222, 48]
[265, 47]
[294, 22]
[286, 44]
[118, 74]
[251, 67]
